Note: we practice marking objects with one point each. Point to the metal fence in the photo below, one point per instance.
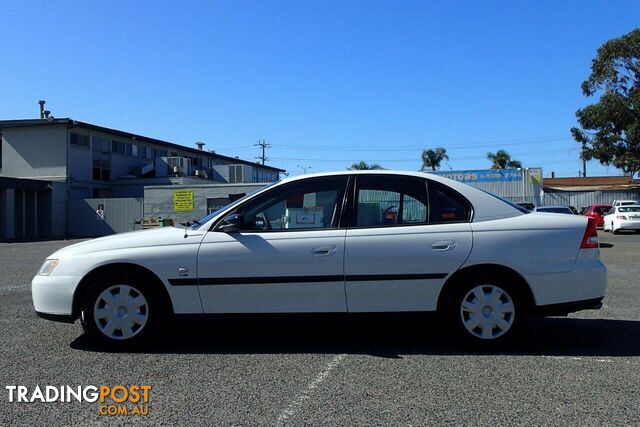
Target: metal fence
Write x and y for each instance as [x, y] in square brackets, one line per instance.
[586, 198]
[86, 219]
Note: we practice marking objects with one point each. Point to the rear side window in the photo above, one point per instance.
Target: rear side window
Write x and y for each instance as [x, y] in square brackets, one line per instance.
[390, 200]
[447, 205]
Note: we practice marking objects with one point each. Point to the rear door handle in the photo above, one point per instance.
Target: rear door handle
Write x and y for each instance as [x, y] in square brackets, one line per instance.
[325, 250]
[443, 245]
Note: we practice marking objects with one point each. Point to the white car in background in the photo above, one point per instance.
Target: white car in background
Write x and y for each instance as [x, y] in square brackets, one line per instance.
[367, 241]
[624, 203]
[622, 217]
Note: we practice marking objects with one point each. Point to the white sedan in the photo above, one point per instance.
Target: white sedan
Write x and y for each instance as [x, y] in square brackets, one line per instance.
[368, 241]
[622, 218]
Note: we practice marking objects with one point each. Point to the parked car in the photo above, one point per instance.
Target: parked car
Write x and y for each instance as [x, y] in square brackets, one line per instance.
[329, 243]
[625, 203]
[555, 209]
[583, 209]
[528, 206]
[622, 218]
[574, 210]
[597, 212]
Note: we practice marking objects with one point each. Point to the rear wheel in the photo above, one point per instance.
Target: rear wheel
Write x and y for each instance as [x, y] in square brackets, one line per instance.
[120, 313]
[613, 230]
[487, 312]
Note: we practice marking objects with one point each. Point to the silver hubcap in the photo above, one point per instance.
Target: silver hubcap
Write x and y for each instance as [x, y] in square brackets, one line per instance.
[121, 312]
[487, 312]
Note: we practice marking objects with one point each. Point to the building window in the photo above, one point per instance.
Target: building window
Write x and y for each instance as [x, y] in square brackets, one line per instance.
[235, 174]
[101, 169]
[117, 147]
[131, 149]
[101, 158]
[101, 145]
[146, 153]
[79, 140]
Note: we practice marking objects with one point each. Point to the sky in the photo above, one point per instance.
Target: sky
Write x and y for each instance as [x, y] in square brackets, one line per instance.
[325, 83]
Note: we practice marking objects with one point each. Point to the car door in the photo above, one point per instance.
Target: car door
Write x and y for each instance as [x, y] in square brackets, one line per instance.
[404, 240]
[288, 258]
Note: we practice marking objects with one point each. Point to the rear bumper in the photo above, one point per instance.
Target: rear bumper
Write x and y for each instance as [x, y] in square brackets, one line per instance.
[563, 309]
[587, 281]
[628, 225]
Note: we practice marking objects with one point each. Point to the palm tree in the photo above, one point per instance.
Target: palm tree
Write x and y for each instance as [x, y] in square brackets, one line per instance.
[431, 159]
[362, 165]
[502, 160]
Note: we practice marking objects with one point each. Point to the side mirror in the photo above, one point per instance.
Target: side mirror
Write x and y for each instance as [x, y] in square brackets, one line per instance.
[232, 223]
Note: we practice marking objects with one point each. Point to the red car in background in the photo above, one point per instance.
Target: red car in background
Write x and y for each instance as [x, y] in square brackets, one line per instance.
[597, 212]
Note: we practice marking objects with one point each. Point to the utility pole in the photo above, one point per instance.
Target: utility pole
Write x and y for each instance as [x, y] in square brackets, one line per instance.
[584, 162]
[263, 145]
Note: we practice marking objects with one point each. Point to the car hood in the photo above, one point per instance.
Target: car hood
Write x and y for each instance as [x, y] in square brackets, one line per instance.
[134, 239]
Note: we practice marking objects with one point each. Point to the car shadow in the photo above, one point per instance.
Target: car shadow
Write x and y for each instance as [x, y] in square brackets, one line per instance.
[606, 245]
[388, 336]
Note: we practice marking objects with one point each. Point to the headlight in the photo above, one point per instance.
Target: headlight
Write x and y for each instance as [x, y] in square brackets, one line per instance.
[47, 267]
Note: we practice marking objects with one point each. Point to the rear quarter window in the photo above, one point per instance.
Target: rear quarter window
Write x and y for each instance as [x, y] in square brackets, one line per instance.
[447, 205]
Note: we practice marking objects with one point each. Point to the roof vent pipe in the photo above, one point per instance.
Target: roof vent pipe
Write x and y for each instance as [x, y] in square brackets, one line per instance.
[200, 144]
[42, 102]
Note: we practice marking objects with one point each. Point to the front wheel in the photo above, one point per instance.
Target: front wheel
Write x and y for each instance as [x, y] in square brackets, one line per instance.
[119, 314]
[487, 312]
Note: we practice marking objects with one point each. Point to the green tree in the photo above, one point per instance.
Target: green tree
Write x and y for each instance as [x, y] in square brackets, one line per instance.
[431, 159]
[362, 165]
[502, 160]
[610, 129]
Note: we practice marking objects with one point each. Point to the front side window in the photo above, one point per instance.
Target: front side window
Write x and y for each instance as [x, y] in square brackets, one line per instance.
[383, 200]
[302, 205]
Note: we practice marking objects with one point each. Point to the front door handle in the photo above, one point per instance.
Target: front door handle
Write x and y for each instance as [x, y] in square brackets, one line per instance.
[443, 245]
[325, 250]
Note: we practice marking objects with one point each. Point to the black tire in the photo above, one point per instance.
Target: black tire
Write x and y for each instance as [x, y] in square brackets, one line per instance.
[153, 311]
[613, 230]
[457, 316]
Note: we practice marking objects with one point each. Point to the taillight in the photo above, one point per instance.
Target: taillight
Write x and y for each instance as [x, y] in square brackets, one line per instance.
[621, 217]
[590, 238]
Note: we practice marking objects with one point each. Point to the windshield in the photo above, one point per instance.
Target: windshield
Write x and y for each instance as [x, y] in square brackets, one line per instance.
[200, 222]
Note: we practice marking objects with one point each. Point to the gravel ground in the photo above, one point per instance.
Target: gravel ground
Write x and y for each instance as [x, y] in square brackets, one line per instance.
[389, 369]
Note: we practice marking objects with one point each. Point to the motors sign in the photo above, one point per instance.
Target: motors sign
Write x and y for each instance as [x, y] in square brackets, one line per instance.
[483, 175]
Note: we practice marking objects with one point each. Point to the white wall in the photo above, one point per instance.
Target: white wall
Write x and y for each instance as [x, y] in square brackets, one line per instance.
[35, 152]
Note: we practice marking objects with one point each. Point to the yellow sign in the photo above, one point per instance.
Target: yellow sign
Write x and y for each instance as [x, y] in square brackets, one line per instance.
[535, 176]
[183, 200]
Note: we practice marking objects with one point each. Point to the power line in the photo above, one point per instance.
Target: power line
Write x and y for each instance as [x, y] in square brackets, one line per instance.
[526, 153]
[469, 144]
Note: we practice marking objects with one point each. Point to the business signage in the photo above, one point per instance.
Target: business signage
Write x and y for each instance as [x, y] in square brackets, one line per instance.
[183, 200]
[483, 175]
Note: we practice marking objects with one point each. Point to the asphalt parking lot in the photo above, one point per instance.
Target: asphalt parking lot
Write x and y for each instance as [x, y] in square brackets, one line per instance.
[584, 369]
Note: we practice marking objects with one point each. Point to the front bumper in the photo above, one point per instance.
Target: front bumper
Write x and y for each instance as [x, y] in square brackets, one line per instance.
[53, 295]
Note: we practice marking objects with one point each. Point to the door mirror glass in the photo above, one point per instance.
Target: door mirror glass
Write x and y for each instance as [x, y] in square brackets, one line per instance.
[233, 222]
